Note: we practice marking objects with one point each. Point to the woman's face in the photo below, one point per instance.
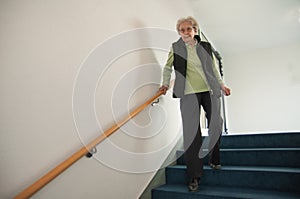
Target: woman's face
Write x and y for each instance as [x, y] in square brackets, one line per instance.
[187, 32]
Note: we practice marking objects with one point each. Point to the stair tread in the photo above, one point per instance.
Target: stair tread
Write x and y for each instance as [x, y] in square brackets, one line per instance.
[248, 168]
[229, 192]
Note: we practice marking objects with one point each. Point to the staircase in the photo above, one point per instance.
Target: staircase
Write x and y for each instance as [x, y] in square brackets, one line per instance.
[257, 166]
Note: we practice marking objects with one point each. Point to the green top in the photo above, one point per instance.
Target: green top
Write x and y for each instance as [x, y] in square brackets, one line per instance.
[195, 78]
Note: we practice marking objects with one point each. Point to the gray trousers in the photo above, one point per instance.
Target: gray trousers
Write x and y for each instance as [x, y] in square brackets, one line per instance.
[190, 106]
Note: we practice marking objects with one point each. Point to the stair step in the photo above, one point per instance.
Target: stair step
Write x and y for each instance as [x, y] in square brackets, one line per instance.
[220, 192]
[287, 157]
[276, 178]
[269, 140]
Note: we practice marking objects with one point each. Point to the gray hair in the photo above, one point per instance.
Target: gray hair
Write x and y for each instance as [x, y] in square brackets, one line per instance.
[190, 20]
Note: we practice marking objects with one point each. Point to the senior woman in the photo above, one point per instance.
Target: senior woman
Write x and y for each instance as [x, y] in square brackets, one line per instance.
[197, 83]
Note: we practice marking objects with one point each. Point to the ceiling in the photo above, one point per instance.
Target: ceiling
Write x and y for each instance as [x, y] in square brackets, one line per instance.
[238, 26]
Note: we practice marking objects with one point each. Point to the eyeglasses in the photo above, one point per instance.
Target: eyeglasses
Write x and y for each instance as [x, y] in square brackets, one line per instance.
[182, 30]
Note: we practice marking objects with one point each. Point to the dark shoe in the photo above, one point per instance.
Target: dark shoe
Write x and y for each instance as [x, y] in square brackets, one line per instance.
[215, 166]
[194, 185]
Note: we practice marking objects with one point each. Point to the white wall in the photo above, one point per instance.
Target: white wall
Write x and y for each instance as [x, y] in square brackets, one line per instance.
[43, 44]
[265, 90]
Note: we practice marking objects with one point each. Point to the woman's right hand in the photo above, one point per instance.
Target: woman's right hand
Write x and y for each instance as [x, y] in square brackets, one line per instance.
[164, 89]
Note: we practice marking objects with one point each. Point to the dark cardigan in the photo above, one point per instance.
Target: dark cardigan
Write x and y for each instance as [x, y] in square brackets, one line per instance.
[204, 52]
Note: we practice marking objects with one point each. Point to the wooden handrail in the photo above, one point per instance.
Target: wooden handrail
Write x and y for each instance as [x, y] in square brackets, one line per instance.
[36, 186]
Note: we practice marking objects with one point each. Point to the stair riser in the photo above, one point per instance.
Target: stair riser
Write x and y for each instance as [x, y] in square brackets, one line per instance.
[284, 158]
[282, 181]
[219, 192]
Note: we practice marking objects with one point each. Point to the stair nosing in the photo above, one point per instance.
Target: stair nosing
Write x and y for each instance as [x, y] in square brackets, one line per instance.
[260, 149]
[256, 149]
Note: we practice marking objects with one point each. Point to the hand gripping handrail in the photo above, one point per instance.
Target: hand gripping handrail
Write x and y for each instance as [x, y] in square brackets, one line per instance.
[36, 186]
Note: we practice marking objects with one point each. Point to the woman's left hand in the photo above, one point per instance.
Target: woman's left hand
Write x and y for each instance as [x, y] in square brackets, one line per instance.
[226, 90]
